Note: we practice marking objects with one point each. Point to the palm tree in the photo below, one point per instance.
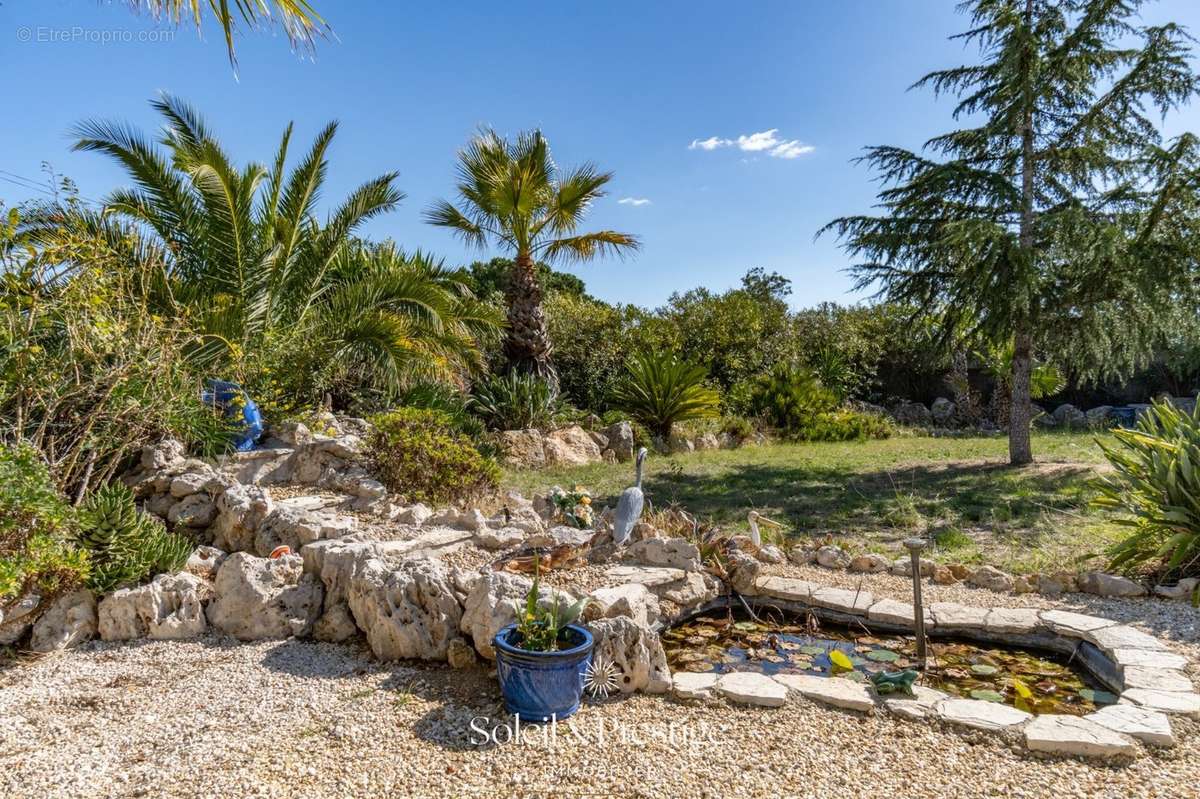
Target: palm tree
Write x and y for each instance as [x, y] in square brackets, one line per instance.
[298, 18]
[254, 271]
[513, 194]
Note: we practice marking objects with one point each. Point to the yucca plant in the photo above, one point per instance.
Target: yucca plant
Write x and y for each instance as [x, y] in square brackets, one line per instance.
[660, 390]
[515, 401]
[1156, 481]
[127, 546]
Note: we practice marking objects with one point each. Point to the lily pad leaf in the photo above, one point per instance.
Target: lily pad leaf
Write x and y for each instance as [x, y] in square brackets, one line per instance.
[983, 669]
[1098, 697]
[986, 695]
[883, 656]
[838, 658]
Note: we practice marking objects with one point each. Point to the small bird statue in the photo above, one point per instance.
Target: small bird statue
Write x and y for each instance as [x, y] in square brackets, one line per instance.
[755, 519]
[629, 507]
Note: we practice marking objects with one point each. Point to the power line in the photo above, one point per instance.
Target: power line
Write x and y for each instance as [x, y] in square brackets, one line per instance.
[29, 183]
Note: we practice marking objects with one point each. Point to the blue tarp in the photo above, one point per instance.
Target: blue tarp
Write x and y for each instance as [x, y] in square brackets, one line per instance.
[237, 405]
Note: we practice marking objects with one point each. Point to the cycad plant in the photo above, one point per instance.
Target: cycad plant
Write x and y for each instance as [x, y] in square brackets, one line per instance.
[660, 390]
[514, 195]
[258, 276]
[1156, 482]
[126, 546]
[515, 402]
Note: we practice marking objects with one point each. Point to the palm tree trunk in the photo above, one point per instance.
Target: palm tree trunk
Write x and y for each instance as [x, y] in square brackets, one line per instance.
[527, 342]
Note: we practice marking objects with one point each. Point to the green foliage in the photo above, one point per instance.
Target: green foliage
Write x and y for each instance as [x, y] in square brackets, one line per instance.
[739, 427]
[660, 390]
[789, 397]
[36, 525]
[1156, 481]
[492, 278]
[844, 424]
[538, 626]
[419, 455]
[515, 401]
[1055, 217]
[299, 20]
[127, 546]
[592, 340]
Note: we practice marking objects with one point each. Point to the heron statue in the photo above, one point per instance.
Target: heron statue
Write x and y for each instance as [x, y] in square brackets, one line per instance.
[629, 507]
[755, 519]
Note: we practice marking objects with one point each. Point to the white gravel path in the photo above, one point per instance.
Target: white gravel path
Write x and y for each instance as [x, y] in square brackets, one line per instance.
[216, 718]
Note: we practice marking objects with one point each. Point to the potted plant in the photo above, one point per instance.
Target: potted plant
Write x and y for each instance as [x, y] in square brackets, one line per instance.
[542, 657]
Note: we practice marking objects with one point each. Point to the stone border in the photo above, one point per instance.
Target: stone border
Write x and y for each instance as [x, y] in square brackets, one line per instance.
[1138, 667]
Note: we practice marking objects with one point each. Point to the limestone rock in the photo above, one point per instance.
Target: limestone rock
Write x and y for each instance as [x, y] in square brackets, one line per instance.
[259, 598]
[769, 553]
[802, 555]
[922, 705]
[788, 589]
[491, 606]
[1149, 677]
[1076, 625]
[1067, 415]
[674, 553]
[706, 441]
[992, 579]
[503, 538]
[240, 509]
[696, 588]
[631, 599]
[336, 624]
[832, 557]
[171, 607]
[1072, 735]
[846, 694]
[165, 453]
[407, 611]
[416, 514]
[1013, 621]
[298, 521]
[571, 446]
[460, 654]
[870, 563]
[1184, 589]
[942, 411]
[943, 576]
[620, 440]
[751, 688]
[636, 650]
[523, 449]
[902, 567]
[196, 511]
[912, 414]
[694, 685]
[69, 621]
[981, 715]
[1119, 636]
[952, 616]
[743, 571]
[204, 562]
[1148, 726]
[843, 600]
[1102, 584]
[1180, 702]
[188, 483]
[890, 611]
[1056, 584]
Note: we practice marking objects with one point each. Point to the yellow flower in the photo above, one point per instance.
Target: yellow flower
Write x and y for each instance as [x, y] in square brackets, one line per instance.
[585, 500]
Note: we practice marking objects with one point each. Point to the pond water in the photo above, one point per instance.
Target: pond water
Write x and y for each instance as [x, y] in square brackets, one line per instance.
[1033, 681]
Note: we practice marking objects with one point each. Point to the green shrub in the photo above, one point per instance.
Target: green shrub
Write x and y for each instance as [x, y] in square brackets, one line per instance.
[127, 546]
[36, 525]
[790, 398]
[660, 390]
[844, 425]
[515, 401]
[1156, 481]
[418, 454]
[739, 427]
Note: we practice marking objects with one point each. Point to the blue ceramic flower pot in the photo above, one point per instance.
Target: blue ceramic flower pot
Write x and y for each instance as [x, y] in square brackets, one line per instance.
[540, 686]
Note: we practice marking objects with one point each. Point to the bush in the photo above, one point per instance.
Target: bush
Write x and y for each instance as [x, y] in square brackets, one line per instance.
[661, 390]
[36, 525]
[418, 454]
[1156, 481]
[738, 427]
[790, 398]
[127, 546]
[843, 425]
[515, 402]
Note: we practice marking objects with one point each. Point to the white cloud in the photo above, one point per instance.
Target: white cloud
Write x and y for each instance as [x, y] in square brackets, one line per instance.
[767, 141]
[633, 201]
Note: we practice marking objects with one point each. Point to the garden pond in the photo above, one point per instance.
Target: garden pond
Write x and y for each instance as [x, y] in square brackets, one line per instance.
[1031, 680]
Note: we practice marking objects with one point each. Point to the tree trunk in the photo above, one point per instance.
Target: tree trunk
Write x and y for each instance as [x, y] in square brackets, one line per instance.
[1019, 449]
[527, 342]
[1020, 412]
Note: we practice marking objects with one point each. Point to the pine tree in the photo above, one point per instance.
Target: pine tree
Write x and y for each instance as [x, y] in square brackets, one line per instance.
[1058, 213]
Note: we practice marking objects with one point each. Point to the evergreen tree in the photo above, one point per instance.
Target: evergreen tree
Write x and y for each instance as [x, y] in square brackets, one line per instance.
[1058, 212]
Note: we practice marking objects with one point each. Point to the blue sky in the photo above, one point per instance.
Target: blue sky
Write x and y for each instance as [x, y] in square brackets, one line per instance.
[628, 85]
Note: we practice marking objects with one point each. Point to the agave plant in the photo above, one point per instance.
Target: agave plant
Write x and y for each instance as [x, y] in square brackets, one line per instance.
[1156, 482]
[515, 401]
[660, 390]
[126, 546]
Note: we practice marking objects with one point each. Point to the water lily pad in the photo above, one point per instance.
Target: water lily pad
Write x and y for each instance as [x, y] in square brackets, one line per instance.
[986, 695]
[813, 650]
[746, 626]
[839, 659]
[983, 669]
[883, 656]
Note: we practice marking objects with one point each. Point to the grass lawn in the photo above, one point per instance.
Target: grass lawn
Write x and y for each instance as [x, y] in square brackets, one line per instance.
[871, 495]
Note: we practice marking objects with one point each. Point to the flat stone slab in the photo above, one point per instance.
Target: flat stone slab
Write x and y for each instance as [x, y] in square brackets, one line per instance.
[921, 706]
[830, 691]
[951, 616]
[1072, 735]
[646, 575]
[889, 611]
[1076, 625]
[1158, 659]
[981, 715]
[1181, 702]
[1013, 621]
[438, 541]
[857, 602]
[694, 685]
[1148, 726]
[1156, 679]
[1121, 637]
[751, 688]
[786, 588]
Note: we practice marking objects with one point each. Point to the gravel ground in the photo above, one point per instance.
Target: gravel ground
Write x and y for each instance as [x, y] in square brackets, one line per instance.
[216, 718]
